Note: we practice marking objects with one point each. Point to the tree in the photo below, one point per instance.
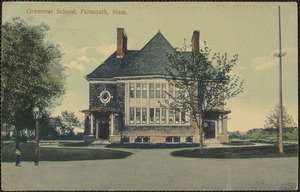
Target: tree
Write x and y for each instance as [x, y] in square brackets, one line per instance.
[272, 120]
[32, 75]
[68, 121]
[205, 82]
[48, 127]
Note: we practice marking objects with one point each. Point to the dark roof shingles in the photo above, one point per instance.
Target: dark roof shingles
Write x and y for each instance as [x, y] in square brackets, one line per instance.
[150, 60]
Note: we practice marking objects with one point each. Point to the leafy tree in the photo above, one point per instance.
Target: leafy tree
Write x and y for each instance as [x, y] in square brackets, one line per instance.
[235, 134]
[32, 75]
[272, 120]
[68, 122]
[205, 82]
[48, 127]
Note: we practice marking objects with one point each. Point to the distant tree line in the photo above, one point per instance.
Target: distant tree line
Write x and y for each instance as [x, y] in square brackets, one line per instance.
[266, 134]
[271, 130]
[59, 127]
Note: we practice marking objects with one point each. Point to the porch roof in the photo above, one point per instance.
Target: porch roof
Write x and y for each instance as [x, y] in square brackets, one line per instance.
[100, 110]
[218, 111]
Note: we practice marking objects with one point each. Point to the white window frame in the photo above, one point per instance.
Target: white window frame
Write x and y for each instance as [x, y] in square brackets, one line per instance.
[148, 103]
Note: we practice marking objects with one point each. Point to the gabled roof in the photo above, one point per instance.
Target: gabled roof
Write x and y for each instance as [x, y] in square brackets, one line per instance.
[112, 66]
[150, 60]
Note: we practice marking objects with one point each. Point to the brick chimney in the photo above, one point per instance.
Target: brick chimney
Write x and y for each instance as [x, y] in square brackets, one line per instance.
[121, 42]
[195, 43]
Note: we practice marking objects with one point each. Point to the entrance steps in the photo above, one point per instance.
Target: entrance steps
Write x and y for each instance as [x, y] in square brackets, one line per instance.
[212, 143]
[100, 142]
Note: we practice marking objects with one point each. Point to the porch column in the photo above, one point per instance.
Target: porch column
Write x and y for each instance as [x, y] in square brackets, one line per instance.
[222, 125]
[217, 128]
[92, 123]
[97, 129]
[112, 125]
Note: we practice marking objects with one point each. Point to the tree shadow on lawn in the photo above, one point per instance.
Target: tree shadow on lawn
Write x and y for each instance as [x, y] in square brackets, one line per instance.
[60, 154]
[240, 152]
[150, 145]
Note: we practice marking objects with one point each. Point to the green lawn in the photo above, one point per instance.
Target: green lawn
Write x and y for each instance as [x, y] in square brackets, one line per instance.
[240, 152]
[59, 154]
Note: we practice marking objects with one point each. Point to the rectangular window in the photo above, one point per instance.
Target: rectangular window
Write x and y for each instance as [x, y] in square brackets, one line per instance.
[163, 90]
[138, 115]
[157, 115]
[138, 90]
[176, 139]
[176, 117]
[151, 115]
[171, 117]
[146, 139]
[169, 139]
[138, 139]
[131, 115]
[182, 117]
[142, 139]
[171, 89]
[157, 90]
[163, 115]
[125, 139]
[144, 92]
[144, 115]
[151, 90]
[189, 139]
[177, 92]
[131, 92]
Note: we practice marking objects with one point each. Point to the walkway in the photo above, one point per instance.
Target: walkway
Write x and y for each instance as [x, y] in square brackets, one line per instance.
[154, 169]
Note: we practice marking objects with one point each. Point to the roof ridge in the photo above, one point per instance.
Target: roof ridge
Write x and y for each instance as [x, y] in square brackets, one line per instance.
[141, 50]
[158, 33]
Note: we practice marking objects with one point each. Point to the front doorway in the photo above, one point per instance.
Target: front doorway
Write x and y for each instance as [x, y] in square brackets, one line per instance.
[103, 132]
[209, 129]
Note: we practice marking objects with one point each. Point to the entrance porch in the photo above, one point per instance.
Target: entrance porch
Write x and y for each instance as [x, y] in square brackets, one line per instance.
[100, 124]
[215, 124]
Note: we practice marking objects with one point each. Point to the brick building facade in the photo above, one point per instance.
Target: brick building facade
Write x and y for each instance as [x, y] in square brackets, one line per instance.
[125, 95]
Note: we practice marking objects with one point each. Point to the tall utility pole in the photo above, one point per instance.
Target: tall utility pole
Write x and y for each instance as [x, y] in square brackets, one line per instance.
[280, 87]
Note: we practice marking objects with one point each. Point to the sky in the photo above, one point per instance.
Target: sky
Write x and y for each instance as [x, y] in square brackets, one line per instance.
[247, 29]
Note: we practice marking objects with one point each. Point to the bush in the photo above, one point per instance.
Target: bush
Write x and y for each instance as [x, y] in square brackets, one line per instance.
[271, 134]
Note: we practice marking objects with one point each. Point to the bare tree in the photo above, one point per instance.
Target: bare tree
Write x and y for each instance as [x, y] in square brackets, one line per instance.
[204, 82]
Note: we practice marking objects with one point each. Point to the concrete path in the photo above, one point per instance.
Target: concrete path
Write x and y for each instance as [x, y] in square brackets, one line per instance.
[154, 169]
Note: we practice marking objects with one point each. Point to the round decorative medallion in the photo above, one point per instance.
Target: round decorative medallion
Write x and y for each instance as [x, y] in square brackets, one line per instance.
[205, 124]
[105, 96]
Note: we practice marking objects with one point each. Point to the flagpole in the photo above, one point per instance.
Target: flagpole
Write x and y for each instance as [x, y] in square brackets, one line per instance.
[280, 88]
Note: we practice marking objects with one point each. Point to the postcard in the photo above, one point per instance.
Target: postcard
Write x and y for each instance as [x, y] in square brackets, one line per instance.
[149, 96]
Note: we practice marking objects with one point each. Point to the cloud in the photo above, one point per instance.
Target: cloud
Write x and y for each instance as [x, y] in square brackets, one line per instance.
[84, 49]
[106, 50]
[262, 63]
[289, 51]
[103, 50]
[83, 58]
[76, 65]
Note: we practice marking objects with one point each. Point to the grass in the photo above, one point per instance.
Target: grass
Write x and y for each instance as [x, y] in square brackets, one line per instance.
[59, 154]
[73, 144]
[240, 152]
[150, 146]
[239, 143]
